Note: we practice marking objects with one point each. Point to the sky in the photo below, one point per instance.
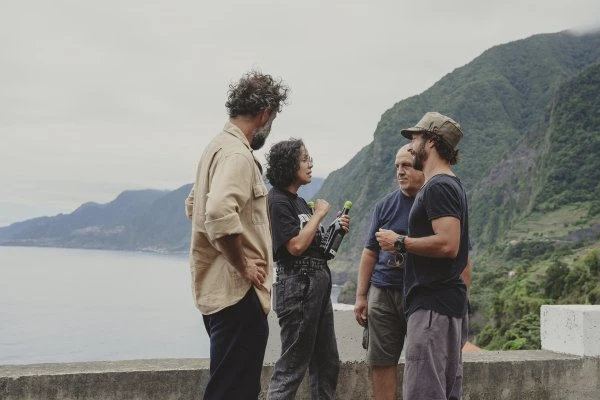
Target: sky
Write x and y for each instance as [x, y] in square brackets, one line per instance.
[101, 97]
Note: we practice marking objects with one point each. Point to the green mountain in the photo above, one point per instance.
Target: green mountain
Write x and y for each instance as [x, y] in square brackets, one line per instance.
[92, 225]
[529, 110]
[550, 254]
[503, 99]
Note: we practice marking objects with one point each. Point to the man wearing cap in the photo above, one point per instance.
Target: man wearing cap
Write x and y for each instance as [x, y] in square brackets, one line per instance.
[436, 248]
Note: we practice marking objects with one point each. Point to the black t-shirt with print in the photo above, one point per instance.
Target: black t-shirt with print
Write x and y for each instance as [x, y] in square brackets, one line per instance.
[289, 213]
[434, 283]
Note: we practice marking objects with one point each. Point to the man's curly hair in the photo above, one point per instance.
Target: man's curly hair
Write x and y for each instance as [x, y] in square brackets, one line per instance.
[254, 93]
[443, 148]
[283, 161]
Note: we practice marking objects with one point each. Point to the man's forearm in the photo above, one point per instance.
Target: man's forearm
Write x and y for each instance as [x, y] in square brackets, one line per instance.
[298, 244]
[365, 270]
[231, 247]
[466, 274]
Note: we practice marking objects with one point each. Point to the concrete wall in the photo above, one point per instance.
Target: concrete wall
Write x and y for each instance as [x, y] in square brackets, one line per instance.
[571, 329]
[509, 375]
[518, 375]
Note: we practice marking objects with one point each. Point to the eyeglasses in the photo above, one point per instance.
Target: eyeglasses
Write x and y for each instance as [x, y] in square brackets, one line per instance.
[307, 159]
[396, 261]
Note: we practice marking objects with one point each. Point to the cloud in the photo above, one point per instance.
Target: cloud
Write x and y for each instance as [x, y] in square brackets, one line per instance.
[126, 94]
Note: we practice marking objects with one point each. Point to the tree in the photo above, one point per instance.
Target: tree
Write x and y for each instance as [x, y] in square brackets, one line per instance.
[555, 279]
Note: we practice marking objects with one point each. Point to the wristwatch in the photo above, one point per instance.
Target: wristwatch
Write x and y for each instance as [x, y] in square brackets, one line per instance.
[399, 244]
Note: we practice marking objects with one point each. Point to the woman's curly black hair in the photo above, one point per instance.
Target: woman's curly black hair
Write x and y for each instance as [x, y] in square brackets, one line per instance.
[254, 93]
[283, 162]
[443, 148]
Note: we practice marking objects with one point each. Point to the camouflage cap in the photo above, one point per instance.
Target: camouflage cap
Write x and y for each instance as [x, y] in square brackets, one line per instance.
[441, 125]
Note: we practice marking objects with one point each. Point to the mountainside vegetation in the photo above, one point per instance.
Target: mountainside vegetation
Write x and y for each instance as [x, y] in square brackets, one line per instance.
[551, 254]
[503, 100]
[530, 113]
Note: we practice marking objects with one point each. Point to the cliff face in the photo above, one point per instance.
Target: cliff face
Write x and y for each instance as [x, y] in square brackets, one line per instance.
[508, 102]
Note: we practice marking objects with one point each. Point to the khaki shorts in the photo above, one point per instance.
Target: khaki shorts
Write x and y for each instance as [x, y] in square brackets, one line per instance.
[386, 325]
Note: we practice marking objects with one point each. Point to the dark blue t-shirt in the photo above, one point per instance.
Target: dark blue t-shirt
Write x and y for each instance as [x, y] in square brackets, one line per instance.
[391, 212]
[434, 283]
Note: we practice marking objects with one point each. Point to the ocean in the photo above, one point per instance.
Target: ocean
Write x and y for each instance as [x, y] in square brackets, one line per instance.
[70, 305]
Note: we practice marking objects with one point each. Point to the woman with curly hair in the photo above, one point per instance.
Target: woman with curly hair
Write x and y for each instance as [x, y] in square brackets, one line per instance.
[301, 295]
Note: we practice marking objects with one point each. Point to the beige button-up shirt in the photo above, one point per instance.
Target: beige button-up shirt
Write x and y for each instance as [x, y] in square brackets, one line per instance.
[229, 197]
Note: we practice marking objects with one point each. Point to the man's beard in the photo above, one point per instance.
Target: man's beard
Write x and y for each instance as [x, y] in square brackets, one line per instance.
[258, 140]
[261, 134]
[420, 158]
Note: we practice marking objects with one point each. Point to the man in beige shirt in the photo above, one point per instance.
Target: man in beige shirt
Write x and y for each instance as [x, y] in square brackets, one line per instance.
[231, 251]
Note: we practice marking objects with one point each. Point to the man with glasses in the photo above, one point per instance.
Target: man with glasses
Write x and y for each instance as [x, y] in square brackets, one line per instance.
[379, 307]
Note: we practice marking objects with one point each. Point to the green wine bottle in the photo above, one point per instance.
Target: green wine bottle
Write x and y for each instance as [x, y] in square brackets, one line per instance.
[334, 235]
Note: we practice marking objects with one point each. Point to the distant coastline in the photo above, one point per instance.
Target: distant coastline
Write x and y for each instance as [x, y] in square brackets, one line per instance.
[149, 220]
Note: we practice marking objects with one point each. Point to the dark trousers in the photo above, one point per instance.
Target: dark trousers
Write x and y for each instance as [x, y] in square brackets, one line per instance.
[238, 339]
[303, 306]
